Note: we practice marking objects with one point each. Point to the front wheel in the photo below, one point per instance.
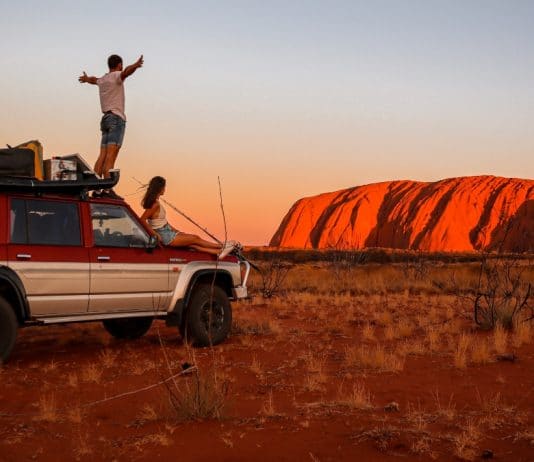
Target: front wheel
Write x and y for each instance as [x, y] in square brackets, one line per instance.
[128, 328]
[8, 329]
[209, 316]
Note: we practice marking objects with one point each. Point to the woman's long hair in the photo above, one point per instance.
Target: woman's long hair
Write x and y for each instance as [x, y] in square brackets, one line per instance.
[155, 186]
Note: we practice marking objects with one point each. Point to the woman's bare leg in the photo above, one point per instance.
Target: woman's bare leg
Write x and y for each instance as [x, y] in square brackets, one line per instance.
[206, 249]
[191, 240]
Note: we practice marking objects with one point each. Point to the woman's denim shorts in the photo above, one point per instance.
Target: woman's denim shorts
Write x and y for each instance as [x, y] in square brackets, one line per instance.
[112, 128]
[166, 233]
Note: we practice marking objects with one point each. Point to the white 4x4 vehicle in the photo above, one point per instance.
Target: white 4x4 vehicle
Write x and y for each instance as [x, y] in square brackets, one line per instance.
[67, 258]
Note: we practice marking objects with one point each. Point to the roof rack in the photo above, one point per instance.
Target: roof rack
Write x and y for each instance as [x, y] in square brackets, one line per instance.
[80, 187]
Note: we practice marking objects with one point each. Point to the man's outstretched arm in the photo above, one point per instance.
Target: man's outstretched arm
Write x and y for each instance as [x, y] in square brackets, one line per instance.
[84, 78]
[129, 70]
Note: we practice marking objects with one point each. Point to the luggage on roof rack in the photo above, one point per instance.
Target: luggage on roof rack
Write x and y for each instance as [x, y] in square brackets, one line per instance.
[24, 160]
[18, 162]
[21, 170]
[37, 149]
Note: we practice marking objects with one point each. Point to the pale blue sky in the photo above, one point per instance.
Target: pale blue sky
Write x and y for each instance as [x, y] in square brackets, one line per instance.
[280, 100]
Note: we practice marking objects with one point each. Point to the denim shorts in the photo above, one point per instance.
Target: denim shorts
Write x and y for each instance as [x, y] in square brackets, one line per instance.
[112, 128]
[166, 233]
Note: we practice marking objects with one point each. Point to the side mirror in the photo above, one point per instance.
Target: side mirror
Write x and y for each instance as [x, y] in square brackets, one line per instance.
[152, 243]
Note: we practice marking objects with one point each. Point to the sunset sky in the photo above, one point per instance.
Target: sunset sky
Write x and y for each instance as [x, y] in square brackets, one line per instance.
[279, 99]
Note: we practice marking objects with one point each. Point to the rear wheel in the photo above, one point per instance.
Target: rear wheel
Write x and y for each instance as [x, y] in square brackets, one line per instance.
[128, 328]
[209, 316]
[8, 329]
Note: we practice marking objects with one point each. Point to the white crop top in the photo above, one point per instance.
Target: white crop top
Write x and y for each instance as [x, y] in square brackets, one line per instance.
[160, 221]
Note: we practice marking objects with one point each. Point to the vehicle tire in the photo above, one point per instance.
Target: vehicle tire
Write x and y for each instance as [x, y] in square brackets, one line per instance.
[8, 329]
[199, 329]
[128, 328]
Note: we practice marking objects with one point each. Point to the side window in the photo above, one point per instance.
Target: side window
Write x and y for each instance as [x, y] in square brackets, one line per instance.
[44, 222]
[113, 226]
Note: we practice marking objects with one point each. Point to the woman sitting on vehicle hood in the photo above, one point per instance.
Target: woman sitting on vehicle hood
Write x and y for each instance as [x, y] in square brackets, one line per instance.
[155, 216]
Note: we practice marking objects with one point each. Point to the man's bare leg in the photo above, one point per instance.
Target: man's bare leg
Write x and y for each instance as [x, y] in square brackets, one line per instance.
[110, 158]
[99, 165]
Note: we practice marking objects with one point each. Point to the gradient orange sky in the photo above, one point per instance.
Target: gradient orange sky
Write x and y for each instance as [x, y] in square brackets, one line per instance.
[279, 100]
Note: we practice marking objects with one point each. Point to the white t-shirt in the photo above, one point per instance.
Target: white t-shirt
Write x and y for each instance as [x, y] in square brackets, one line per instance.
[111, 89]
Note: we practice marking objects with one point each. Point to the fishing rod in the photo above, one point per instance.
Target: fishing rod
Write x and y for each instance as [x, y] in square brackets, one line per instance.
[176, 209]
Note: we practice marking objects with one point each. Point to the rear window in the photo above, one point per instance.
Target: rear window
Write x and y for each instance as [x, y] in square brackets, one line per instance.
[44, 222]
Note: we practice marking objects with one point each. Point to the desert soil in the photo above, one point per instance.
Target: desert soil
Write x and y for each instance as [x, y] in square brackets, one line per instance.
[374, 364]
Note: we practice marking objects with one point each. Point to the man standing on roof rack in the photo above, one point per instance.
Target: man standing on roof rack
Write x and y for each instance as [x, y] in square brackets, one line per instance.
[113, 123]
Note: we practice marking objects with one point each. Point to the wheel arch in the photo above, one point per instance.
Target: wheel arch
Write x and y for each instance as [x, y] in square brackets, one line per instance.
[12, 289]
[223, 279]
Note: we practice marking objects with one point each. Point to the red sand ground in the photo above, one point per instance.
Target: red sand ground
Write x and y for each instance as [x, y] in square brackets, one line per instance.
[284, 365]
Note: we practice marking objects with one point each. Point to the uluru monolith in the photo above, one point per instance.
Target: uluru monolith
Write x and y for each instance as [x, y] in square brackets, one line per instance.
[458, 214]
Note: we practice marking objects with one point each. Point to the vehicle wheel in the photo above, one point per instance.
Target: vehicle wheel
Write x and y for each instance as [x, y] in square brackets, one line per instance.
[209, 316]
[8, 329]
[128, 328]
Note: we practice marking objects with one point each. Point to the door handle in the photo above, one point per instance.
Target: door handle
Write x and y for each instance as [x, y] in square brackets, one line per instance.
[103, 258]
[25, 256]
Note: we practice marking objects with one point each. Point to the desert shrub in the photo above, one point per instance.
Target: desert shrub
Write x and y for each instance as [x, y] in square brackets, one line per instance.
[496, 290]
[502, 293]
[202, 395]
[272, 276]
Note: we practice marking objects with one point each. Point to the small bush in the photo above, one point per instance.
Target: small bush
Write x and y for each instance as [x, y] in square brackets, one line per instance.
[200, 396]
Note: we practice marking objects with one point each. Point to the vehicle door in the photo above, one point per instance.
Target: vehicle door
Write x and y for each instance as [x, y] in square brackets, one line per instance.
[45, 248]
[125, 274]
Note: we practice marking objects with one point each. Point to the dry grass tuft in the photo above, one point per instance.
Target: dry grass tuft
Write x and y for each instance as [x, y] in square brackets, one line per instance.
[466, 442]
[460, 355]
[412, 347]
[47, 409]
[268, 409]
[75, 414]
[161, 439]
[417, 416]
[500, 339]
[226, 438]
[358, 398]
[384, 318]
[522, 333]
[480, 351]
[142, 367]
[315, 381]
[108, 358]
[446, 411]
[375, 358]
[82, 448]
[405, 329]
[496, 411]
[433, 339]
[368, 332]
[423, 446]
[255, 328]
[525, 435]
[50, 367]
[72, 379]
[383, 437]
[91, 373]
[255, 366]
[200, 396]
[148, 413]
[389, 332]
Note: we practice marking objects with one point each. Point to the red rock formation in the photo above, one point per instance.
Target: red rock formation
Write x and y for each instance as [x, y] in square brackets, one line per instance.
[457, 214]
